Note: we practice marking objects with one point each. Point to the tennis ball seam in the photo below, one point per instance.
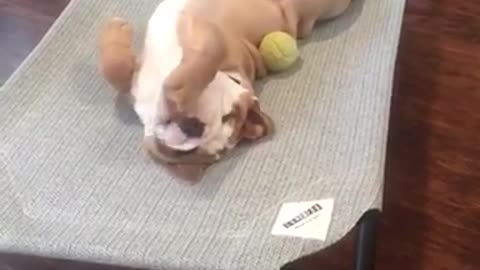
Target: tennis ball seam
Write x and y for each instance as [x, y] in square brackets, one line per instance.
[277, 46]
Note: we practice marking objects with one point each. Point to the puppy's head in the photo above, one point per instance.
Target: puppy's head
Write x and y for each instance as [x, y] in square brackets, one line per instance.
[204, 111]
[223, 114]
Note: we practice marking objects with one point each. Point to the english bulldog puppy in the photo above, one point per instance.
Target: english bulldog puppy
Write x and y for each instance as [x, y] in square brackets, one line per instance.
[192, 83]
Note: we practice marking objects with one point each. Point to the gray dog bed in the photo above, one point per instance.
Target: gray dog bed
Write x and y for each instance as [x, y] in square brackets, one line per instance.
[75, 182]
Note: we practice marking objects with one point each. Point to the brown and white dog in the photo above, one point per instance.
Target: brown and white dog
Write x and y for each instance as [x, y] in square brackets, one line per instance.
[192, 86]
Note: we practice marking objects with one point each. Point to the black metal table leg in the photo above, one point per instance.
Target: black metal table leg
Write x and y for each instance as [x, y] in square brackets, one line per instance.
[366, 241]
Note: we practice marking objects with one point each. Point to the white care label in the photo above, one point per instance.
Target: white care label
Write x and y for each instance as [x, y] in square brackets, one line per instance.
[309, 219]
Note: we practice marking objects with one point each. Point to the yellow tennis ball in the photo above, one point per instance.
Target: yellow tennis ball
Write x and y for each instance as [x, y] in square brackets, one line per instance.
[279, 51]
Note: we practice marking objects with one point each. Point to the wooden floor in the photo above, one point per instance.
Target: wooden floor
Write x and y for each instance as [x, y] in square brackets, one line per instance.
[22, 25]
[431, 217]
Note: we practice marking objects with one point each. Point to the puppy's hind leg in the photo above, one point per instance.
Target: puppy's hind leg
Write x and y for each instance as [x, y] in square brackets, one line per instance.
[338, 9]
[291, 17]
[307, 23]
[305, 28]
[117, 61]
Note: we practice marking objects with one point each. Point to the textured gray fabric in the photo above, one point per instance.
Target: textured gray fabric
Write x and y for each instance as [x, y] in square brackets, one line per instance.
[75, 182]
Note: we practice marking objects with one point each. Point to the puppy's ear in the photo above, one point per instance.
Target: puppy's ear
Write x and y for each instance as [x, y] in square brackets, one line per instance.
[251, 122]
[203, 48]
[257, 123]
[117, 61]
[188, 167]
[164, 154]
[191, 173]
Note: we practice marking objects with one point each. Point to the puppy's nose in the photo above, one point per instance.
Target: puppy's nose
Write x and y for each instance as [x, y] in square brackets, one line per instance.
[192, 127]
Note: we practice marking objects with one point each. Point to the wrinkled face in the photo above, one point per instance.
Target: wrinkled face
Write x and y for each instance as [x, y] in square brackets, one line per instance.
[195, 111]
[217, 120]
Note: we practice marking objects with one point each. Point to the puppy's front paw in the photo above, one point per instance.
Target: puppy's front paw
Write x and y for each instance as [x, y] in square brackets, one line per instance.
[180, 104]
[117, 30]
[119, 24]
[305, 28]
[117, 61]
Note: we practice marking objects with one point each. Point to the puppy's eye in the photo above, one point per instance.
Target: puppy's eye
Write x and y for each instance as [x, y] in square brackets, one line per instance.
[227, 117]
[234, 79]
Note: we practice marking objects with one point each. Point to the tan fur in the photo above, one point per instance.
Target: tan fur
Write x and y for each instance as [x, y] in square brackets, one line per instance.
[251, 122]
[233, 27]
[245, 22]
[163, 154]
[203, 51]
[189, 166]
[301, 15]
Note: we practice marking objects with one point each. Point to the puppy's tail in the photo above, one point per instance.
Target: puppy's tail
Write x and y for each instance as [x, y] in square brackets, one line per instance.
[117, 61]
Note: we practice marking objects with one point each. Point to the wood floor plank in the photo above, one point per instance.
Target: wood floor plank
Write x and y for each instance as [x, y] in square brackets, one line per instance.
[22, 25]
